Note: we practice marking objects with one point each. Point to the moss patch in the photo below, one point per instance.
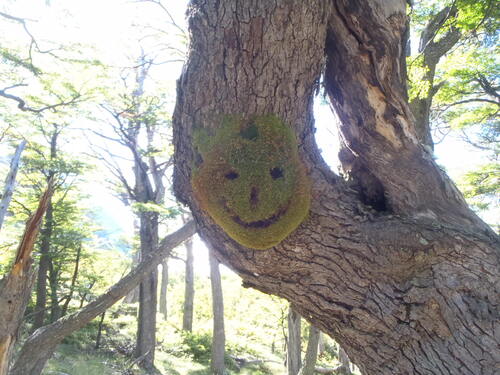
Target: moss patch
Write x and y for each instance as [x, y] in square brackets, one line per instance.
[250, 180]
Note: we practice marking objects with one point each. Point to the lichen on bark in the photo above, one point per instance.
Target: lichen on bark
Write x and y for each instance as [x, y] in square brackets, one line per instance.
[250, 180]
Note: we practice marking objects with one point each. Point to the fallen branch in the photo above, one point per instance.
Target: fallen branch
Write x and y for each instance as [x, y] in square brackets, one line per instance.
[244, 362]
[40, 346]
[340, 370]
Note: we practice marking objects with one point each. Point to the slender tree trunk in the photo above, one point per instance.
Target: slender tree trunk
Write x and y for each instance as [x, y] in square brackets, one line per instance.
[45, 257]
[218, 336]
[187, 317]
[40, 346]
[321, 343]
[394, 265]
[311, 351]
[146, 324]
[55, 308]
[163, 289]
[85, 294]
[99, 331]
[345, 364]
[73, 282]
[133, 296]
[293, 351]
[43, 269]
[15, 287]
[10, 181]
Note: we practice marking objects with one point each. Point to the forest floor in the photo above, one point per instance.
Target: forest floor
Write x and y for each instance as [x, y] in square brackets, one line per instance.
[70, 360]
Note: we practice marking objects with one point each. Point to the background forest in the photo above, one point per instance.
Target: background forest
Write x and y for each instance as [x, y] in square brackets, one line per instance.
[87, 91]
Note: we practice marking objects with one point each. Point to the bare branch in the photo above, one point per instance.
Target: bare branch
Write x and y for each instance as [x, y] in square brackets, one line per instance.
[169, 15]
[21, 103]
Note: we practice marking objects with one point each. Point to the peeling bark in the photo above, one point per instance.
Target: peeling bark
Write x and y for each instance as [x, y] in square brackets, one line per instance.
[15, 287]
[410, 286]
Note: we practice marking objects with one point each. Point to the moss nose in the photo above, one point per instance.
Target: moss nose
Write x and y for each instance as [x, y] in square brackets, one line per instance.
[254, 196]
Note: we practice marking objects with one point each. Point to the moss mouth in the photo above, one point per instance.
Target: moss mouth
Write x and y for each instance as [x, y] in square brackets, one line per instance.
[263, 223]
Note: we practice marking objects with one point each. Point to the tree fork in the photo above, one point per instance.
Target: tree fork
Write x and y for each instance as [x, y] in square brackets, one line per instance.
[407, 286]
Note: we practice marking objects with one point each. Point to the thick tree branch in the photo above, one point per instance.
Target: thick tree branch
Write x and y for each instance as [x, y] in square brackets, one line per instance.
[392, 270]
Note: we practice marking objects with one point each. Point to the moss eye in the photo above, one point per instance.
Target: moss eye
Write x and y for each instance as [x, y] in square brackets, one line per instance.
[232, 175]
[276, 172]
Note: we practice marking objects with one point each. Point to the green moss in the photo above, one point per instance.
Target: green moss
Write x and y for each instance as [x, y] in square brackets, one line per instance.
[250, 180]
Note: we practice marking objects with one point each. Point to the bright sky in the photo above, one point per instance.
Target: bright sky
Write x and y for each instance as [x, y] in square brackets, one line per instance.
[112, 27]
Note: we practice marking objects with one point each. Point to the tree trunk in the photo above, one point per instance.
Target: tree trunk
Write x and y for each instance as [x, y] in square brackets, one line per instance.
[321, 343]
[393, 265]
[163, 289]
[218, 336]
[10, 181]
[99, 331]
[55, 309]
[146, 324]
[15, 287]
[345, 364]
[73, 282]
[311, 351]
[43, 269]
[293, 351]
[45, 263]
[40, 346]
[187, 317]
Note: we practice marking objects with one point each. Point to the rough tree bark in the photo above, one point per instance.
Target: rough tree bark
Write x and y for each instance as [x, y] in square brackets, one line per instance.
[10, 181]
[15, 287]
[39, 347]
[187, 317]
[393, 265]
[218, 334]
[293, 347]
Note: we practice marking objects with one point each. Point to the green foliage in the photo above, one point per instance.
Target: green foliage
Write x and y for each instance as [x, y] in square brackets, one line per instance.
[419, 86]
[482, 186]
[463, 86]
[165, 212]
[198, 346]
[251, 180]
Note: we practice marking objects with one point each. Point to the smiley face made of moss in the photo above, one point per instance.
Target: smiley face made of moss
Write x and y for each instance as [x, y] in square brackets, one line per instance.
[250, 180]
